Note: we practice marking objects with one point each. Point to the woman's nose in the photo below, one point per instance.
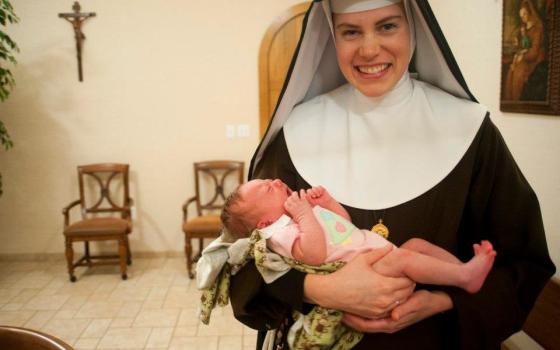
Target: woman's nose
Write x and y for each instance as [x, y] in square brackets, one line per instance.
[370, 46]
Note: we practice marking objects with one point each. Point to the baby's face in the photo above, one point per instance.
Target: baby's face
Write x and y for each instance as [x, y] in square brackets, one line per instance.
[265, 198]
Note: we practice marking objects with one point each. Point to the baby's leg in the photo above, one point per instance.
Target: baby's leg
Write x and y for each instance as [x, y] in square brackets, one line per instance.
[431, 270]
[422, 246]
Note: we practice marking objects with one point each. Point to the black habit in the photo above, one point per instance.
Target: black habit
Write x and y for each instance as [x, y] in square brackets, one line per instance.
[485, 197]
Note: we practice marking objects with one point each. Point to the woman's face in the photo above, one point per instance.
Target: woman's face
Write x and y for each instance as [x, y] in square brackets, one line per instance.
[373, 48]
[524, 15]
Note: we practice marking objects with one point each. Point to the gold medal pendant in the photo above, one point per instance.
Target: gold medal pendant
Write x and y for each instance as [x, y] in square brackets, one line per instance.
[380, 229]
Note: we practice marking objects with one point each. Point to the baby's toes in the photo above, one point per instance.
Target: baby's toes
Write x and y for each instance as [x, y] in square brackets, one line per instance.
[487, 246]
[476, 248]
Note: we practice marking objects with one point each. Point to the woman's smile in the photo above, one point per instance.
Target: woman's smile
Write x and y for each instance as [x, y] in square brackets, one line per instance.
[373, 71]
[373, 48]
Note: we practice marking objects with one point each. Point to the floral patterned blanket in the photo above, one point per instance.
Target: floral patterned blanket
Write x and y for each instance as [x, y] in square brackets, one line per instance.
[319, 329]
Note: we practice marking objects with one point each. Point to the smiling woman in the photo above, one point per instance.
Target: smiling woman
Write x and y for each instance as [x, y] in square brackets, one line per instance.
[373, 48]
[419, 154]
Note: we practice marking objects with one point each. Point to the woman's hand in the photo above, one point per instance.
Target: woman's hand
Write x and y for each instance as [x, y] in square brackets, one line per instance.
[422, 304]
[357, 289]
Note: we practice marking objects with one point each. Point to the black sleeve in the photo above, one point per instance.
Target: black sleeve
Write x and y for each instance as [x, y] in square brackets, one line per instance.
[257, 304]
[504, 209]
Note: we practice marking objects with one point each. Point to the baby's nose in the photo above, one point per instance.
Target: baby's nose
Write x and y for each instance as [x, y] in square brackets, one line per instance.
[277, 183]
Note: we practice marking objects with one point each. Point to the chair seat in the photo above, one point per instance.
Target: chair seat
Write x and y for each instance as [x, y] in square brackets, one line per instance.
[98, 226]
[15, 338]
[204, 225]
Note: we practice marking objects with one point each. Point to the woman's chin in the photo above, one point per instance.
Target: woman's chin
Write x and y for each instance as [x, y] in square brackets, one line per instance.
[374, 89]
[374, 86]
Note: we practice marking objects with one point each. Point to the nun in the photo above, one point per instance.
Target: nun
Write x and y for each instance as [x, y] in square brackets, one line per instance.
[376, 110]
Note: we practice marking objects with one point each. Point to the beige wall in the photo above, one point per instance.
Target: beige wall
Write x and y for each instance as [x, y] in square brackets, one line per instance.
[162, 79]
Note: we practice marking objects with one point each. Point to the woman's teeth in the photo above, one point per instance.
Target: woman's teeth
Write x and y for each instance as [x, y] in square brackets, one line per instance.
[373, 69]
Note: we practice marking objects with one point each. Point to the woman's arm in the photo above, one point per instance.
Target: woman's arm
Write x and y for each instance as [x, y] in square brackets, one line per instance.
[534, 52]
[356, 288]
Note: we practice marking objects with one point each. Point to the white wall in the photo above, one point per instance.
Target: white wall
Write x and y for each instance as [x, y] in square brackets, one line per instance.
[162, 79]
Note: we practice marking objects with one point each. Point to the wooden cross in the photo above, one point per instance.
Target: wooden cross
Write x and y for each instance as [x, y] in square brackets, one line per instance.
[77, 18]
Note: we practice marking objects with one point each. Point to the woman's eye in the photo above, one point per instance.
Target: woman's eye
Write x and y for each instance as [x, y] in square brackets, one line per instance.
[349, 33]
[388, 27]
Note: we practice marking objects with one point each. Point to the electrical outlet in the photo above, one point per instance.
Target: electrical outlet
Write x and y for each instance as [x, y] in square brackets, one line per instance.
[230, 131]
[243, 130]
[133, 213]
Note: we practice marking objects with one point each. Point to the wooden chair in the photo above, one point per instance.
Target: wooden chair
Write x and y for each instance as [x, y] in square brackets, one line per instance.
[211, 179]
[17, 338]
[103, 187]
[540, 324]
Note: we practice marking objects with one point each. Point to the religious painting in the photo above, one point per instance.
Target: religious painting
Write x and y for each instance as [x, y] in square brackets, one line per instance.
[531, 57]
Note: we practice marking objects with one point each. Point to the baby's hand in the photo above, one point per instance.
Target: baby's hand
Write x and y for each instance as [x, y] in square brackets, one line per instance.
[318, 196]
[297, 205]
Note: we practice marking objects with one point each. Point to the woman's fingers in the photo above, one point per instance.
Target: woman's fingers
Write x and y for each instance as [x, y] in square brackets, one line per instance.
[404, 308]
[366, 292]
[401, 295]
[423, 303]
[366, 325]
[403, 288]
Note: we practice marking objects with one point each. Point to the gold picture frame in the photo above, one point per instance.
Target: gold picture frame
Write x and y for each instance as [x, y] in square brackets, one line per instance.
[530, 57]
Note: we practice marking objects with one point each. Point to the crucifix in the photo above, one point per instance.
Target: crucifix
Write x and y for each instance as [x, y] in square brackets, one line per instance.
[76, 18]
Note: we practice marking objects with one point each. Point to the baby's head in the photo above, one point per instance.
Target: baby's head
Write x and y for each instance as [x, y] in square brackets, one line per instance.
[255, 204]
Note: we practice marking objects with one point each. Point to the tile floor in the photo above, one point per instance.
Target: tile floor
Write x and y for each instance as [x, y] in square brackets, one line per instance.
[154, 309]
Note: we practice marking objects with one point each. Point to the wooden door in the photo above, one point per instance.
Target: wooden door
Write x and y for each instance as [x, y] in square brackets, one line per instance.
[275, 56]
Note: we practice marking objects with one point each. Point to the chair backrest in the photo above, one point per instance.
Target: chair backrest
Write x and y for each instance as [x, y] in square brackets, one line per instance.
[104, 189]
[214, 180]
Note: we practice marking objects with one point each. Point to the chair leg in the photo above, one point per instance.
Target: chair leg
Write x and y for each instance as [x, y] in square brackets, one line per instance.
[188, 253]
[128, 255]
[86, 253]
[123, 257]
[70, 259]
[199, 253]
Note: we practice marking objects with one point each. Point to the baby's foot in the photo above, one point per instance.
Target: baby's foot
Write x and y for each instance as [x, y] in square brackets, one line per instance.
[479, 266]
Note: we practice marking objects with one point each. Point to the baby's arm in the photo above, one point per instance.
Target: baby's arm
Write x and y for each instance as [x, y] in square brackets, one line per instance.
[311, 247]
[319, 196]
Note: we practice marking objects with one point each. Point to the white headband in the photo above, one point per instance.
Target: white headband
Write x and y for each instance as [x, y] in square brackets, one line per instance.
[349, 6]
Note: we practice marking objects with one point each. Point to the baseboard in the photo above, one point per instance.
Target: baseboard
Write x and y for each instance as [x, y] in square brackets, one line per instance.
[51, 257]
[521, 341]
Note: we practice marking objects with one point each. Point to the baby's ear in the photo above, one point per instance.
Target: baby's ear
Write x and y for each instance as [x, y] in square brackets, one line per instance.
[263, 223]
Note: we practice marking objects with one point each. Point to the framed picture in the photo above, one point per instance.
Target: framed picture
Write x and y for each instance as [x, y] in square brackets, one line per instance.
[531, 57]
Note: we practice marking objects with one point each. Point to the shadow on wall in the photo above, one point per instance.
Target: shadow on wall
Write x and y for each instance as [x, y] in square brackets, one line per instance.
[143, 221]
[51, 139]
[35, 191]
